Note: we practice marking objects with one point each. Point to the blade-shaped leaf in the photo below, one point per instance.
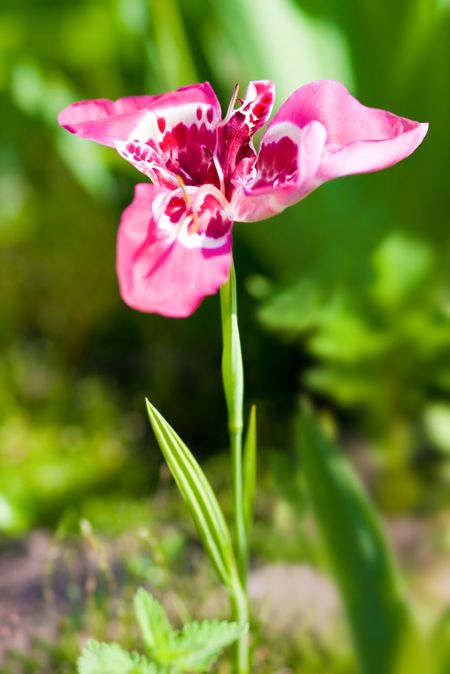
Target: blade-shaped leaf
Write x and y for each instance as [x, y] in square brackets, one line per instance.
[197, 645]
[153, 621]
[199, 497]
[370, 586]
[250, 458]
[98, 658]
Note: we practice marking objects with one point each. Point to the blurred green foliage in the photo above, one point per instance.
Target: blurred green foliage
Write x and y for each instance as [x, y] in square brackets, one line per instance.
[354, 279]
[59, 444]
[383, 353]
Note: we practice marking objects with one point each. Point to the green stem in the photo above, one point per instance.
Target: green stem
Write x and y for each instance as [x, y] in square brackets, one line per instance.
[239, 605]
[233, 383]
[238, 502]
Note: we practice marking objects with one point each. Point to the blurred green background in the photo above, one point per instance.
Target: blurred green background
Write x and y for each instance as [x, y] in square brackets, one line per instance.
[345, 296]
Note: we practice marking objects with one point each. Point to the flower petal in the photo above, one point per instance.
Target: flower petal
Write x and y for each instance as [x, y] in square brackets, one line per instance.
[163, 136]
[285, 171]
[321, 132]
[102, 120]
[256, 106]
[237, 131]
[359, 139]
[174, 248]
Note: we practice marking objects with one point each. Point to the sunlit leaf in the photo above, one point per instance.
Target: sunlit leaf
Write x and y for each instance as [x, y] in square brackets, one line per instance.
[437, 425]
[191, 649]
[98, 658]
[198, 644]
[318, 46]
[155, 626]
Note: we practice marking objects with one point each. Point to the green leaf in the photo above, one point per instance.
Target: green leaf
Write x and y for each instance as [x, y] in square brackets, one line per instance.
[153, 621]
[250, 458]
[402, 264]
[174, 55]
[440, 644]
[193, 648]
[437, 425]
[385, 637]
[99, 658]
[295, 309]
[199, 497]
[198, 644]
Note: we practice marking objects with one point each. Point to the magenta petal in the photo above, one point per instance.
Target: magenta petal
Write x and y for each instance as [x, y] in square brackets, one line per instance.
[181, 128]
[368, 156]
[106, 121]
[167, 259]
[359, 139]
[284, 173]
[256, 107]
[241, 124]
[162, 136]
[102, 120]
[202, 94]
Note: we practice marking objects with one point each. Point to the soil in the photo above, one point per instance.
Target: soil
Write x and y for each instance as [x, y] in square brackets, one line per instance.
[290, 594]
[23, 610]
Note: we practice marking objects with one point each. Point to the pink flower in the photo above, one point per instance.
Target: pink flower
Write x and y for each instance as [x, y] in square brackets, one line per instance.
[175, 239]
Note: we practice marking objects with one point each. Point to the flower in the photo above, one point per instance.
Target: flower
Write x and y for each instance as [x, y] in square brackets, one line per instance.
[175, 239]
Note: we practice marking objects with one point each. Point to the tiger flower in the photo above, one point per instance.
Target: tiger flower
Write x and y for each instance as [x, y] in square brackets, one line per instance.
[174, 242]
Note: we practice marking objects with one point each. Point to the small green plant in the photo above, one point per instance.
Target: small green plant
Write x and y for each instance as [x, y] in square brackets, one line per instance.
[193, 648]
[175, 247]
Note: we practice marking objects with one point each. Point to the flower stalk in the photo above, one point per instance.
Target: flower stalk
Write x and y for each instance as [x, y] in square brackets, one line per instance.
[233, 383]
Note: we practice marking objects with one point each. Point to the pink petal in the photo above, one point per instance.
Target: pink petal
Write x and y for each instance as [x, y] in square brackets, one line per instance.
[335, 135]
[236, 132]
[167, 259]
[284, 173]
[102, 120]
[162, 136]
[359, 139]
[257, 105]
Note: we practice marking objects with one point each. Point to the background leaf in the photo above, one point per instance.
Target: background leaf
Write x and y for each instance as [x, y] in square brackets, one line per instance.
[440, 644]
[369, 583]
